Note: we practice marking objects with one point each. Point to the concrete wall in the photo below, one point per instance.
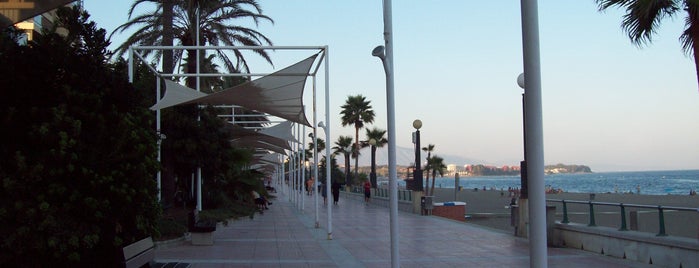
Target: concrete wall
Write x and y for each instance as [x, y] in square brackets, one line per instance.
[450, 210]
[664, 251]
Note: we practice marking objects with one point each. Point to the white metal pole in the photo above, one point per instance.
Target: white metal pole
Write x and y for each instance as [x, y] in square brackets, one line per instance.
[328, 166]
[292, 176]
[390, 100]
[160, 138]
[315, 155]
[131, 65]
[285, 186]
[199, 179]
[534, 134]
[297, 173]
[303, 167]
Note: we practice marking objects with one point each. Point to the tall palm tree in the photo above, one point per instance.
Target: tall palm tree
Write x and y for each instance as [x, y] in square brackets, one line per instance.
[321, 145]
[377, 135]
[311, 145]
[436, 164]
[356, 111]
[343, 146]
[643, 18]
[428, 149]
[217, 26]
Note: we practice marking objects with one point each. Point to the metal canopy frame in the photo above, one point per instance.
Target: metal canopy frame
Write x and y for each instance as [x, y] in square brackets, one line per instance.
[323, 56]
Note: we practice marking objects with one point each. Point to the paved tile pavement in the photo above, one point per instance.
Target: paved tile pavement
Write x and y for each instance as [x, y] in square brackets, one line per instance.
[285, 236]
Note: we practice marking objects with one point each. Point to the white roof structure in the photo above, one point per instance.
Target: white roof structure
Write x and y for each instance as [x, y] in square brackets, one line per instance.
[279, 94]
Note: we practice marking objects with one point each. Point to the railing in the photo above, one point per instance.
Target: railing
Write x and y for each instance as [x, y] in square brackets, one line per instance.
[622, 207]
[403, 195]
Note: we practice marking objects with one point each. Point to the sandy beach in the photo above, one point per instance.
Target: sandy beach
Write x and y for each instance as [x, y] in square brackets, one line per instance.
[490, 209]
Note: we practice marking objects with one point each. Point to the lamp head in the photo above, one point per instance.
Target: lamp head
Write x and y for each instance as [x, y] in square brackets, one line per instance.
[372, 142]
[379, 51]
[520, 80]
[417, 124]
[321, 125]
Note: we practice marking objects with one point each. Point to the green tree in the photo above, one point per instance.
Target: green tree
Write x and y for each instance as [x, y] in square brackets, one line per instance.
[343, 146]
[175, 22]
[643, 17]
[335, 171]
[311, 145]
[356, 112]
[377, 135]
[78, 174]
[217, 24]
[436, 165]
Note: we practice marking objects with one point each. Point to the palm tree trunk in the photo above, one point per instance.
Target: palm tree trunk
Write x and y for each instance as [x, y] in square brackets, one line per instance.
[347, 169]
[167, 36]
[372, 175]
[434, 178]
[427, 181]
[356, 147]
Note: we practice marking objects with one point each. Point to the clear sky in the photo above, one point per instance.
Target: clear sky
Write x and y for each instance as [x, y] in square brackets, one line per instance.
[607, 103]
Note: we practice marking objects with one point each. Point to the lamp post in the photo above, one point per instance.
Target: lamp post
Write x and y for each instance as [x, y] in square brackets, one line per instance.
[535, 134]
[524, 189]
[386, 56]
[372, 174]
[328, 177]
[417, 173]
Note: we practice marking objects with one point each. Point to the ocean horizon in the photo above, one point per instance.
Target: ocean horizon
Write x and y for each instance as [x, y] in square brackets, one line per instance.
[674, 182]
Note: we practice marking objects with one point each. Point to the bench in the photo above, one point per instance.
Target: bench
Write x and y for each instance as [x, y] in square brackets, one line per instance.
[139, 253]
[200, 231]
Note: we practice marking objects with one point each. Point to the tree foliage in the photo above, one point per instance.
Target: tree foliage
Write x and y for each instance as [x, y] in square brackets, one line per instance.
[356, 111]
[643, 18]
[78, 159]
[343, 146]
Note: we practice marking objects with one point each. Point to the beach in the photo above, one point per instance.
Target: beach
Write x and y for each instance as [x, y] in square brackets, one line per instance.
[490, 209]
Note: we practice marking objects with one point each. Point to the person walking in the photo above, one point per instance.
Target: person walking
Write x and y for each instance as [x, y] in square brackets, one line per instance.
[336, 192]
[367, 192]
[324, 193]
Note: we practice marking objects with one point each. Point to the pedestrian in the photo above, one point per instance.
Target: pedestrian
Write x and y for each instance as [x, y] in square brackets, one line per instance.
[336, 192]
[367, 192]
[324, 193]
[309, 186]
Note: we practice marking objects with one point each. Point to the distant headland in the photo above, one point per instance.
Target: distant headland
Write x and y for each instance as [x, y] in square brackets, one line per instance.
[484, 170]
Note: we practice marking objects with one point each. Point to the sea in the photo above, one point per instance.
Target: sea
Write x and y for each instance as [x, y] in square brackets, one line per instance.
[674, 182]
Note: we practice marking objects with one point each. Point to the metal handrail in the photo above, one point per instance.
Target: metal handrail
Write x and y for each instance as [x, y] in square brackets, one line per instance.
[622, 206]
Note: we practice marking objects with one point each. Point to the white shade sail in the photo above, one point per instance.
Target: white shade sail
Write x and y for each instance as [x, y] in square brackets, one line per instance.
[279, 94]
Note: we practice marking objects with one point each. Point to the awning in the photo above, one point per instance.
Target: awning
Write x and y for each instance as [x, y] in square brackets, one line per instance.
[279, 94]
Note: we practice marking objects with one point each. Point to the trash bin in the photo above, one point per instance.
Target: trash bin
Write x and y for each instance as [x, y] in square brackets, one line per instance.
[426, 203]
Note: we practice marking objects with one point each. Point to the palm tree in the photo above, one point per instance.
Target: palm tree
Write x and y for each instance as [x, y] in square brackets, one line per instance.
[429, 149]
[436, 164]
[216, 26]
[356, 111]
[311, 145]
[343, 146]
[321, 145]
[377, 135]
[643, 17]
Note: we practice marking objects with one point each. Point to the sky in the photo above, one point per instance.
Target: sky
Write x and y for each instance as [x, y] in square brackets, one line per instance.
[607, 103]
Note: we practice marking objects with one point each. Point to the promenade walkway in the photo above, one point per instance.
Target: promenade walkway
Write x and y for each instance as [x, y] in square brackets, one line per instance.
[285, 236]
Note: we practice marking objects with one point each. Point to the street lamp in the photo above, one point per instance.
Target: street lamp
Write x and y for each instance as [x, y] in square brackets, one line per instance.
[372, 175]
[523, 164]
[385, 53]
[417, 173]
[328, 178]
